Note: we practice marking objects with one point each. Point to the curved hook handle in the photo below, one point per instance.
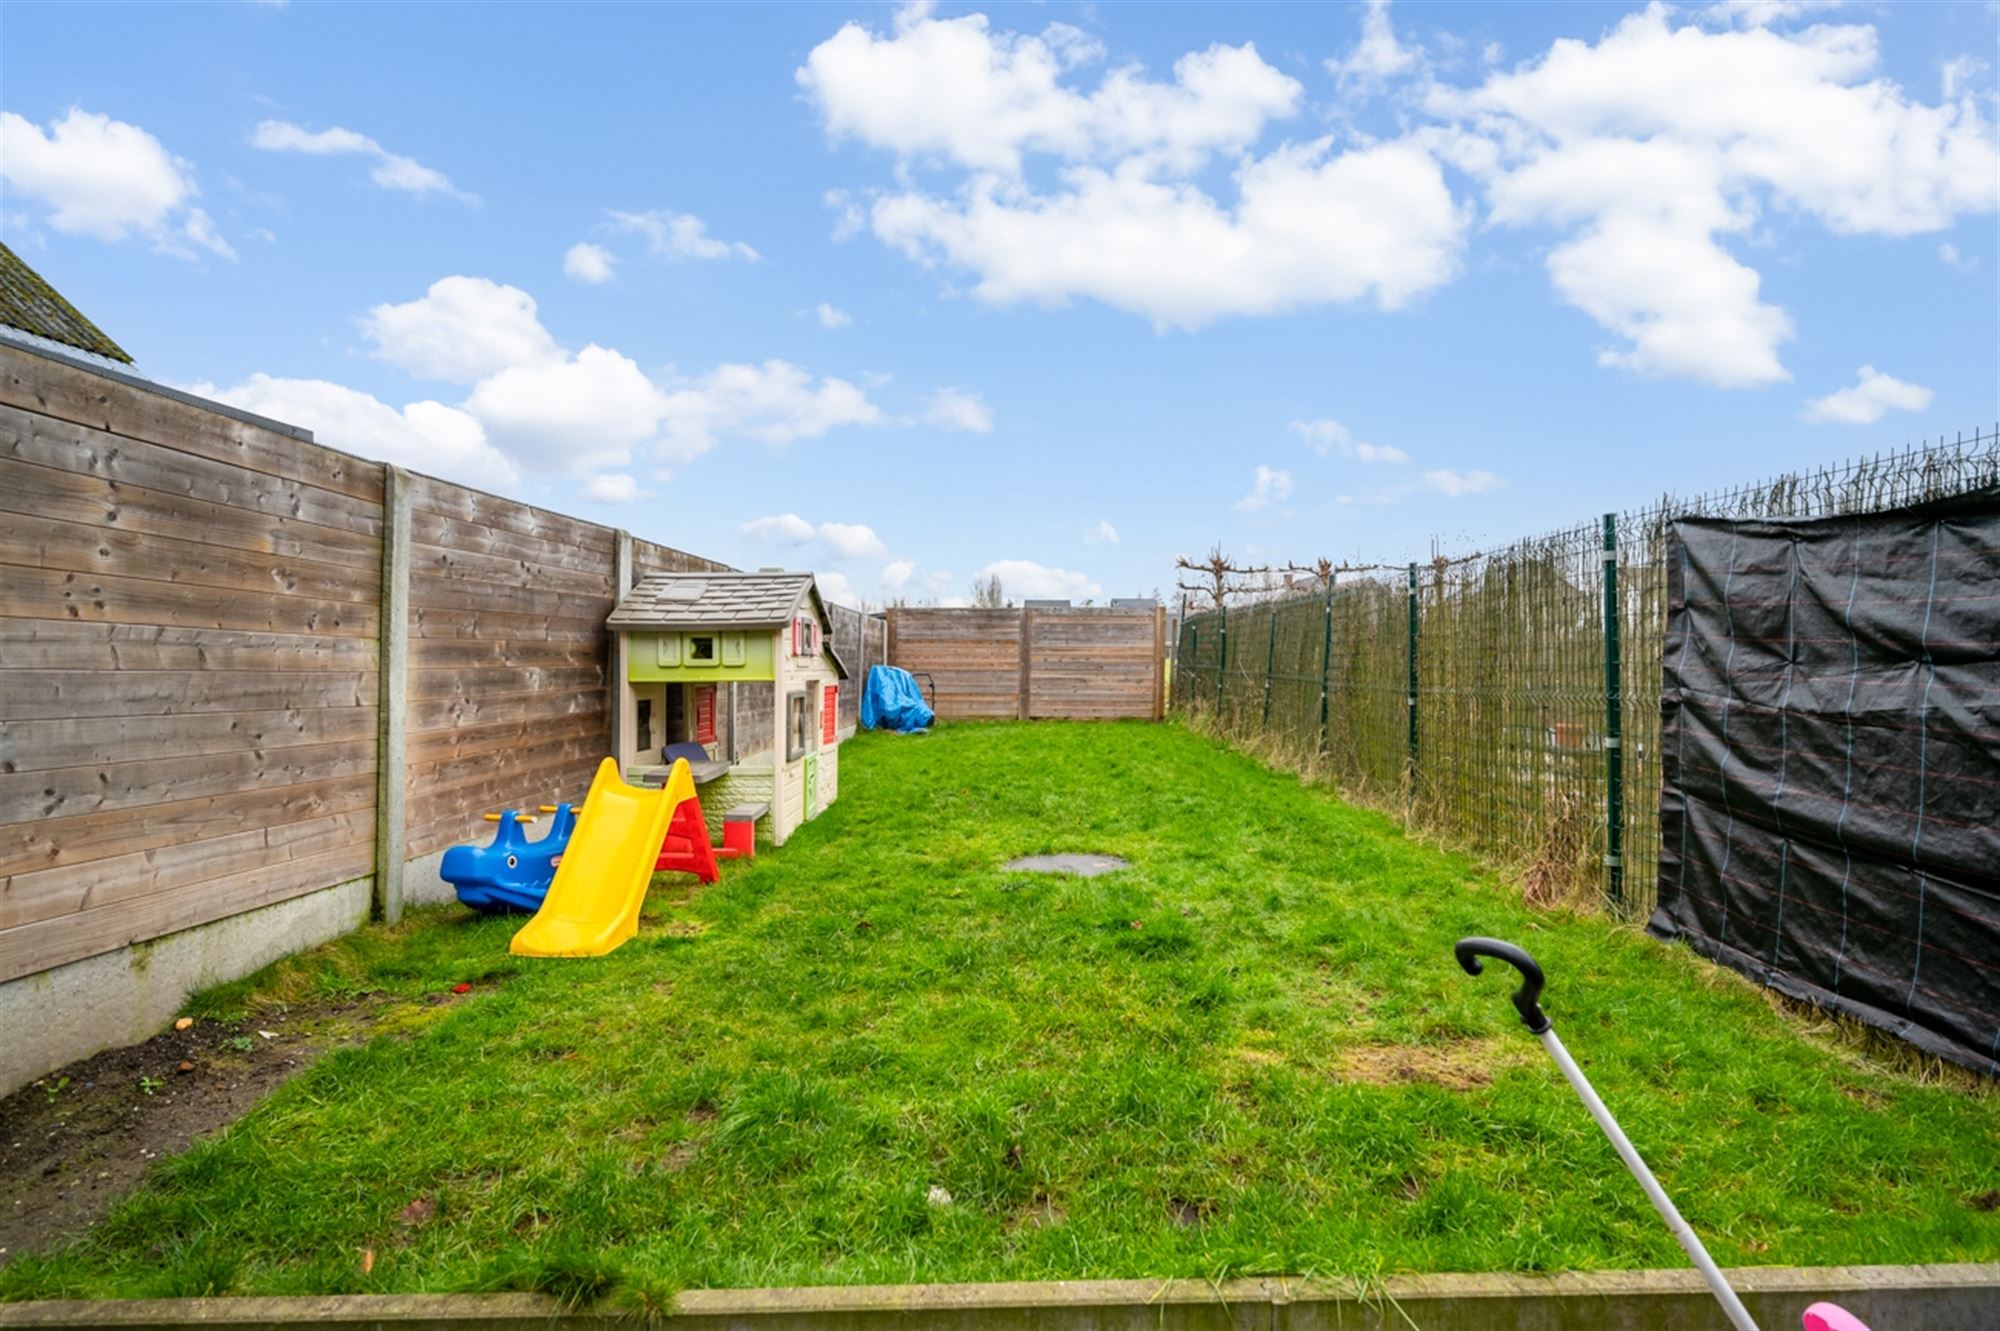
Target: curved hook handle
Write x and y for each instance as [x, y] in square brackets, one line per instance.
[1527, 999]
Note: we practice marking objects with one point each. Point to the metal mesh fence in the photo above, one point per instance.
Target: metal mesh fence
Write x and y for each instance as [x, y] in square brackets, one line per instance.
[1473, 696]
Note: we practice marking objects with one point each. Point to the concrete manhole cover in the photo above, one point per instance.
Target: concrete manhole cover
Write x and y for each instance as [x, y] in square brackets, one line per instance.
[1083, 866]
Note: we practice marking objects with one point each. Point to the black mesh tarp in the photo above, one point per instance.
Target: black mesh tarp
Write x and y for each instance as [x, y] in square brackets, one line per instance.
[1830, 803]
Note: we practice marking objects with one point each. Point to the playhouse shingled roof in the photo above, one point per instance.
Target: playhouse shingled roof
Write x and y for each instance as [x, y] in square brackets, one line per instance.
[715, 600]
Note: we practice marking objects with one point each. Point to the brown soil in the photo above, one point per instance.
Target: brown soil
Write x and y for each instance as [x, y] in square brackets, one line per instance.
[81, 1138]
[1462, 1065]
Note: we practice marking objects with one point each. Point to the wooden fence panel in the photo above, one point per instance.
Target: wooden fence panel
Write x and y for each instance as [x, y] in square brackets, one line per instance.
[1087, 664]
[1084, 663]
[198, 688]
[508, 653]
[188, 607]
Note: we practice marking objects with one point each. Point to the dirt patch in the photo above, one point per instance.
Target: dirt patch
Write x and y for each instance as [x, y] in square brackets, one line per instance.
[81, 1138]
[1460, 1065]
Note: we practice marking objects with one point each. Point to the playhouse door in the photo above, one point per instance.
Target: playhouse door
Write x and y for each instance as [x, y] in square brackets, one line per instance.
[812, 785]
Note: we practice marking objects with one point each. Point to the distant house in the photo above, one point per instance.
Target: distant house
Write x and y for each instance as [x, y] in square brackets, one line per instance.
[35, 314]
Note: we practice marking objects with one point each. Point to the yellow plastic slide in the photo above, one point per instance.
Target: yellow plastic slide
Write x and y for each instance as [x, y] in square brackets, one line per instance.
[593, 902]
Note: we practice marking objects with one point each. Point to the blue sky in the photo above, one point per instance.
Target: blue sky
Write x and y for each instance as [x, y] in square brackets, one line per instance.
[1062, 290]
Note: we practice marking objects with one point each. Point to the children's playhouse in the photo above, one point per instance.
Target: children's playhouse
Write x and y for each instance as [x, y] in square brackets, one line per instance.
[736, 673]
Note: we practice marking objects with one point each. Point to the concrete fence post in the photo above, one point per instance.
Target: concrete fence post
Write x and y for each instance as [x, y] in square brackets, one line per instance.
[614, 684]
[392, 677]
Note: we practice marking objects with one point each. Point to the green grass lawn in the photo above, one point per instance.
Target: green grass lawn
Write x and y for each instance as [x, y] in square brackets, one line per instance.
[1250, 1053]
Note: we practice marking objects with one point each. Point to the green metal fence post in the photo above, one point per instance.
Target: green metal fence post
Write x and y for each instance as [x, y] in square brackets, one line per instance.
[1221, 659]
[1325, 659]
[1614, 725]
[1270, 651]
[1183, 659]
[1411, 781]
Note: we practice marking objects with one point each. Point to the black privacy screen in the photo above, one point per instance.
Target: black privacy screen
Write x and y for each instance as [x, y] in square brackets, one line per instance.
[1830, 746]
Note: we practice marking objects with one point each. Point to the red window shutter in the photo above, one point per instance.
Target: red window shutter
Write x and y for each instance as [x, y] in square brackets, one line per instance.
[829, 725]
[704, 714]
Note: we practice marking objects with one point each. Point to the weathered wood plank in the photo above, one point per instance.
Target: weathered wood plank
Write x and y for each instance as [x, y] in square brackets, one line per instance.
[38, 746]
[428, 593]
[493, 570]
[447, 713]
[35, 593]
[428, 685]
[430, 495]
[50, 543]
[58, 841]
[28, 948]
[49, 893]
[445, 533]
[516, 653]
[651, 557]
[478, 740]
[33, 383]
[432, 623]
[128, 461]
[66, 792]
[30, 695]
[71, 644]
[27, 487]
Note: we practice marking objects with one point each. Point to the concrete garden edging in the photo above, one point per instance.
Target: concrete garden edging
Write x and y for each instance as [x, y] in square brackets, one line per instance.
[1963, 1297]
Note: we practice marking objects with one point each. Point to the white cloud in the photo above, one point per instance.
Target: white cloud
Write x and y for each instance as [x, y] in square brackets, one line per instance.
[849, 540]
[776, 402]
[1270, 486]
[551, 409]
[571, 412]
[1328, 436]
[1873, 395]
[424, 436]
[1653, 143]
[390, 171]
[462, 330]
[680, 236]
[1024, 579]
[832, 316]
[586, 262]
[834, 586]
[954, 89]
[1948, 254]
[841, 540]
[1455, 483]
[613, 488]
[106, 178]
[955, 409]
[1102, 534]
[1129, 221]
[1309, 227]
[897, 573]
[780, 529]
[1378, 56]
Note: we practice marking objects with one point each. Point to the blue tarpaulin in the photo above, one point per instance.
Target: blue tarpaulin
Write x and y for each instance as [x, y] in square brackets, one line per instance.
[891, 700]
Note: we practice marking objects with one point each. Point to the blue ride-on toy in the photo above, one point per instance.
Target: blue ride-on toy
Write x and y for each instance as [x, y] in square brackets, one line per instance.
[513, 873]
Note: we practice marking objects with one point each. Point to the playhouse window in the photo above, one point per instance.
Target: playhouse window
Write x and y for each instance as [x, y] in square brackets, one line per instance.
[645, 724]
[798, 726]
[701, 649]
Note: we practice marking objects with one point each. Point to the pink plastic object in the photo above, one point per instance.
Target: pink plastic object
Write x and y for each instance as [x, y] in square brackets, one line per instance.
[1827, 1317]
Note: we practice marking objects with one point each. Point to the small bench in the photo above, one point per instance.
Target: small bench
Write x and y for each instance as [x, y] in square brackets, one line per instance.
[739, 831]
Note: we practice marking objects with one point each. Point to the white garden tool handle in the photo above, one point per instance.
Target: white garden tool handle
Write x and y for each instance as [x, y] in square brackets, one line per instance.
[1527, 1001]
